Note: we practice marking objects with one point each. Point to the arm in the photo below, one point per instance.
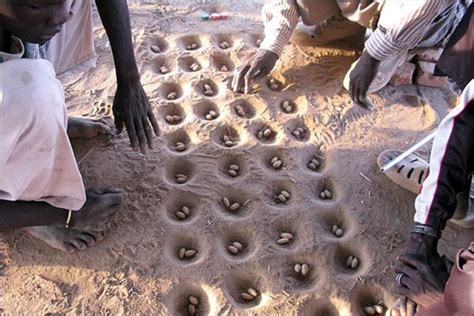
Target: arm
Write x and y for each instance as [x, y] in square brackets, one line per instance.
[403, 24]
[279, 18]
[131, 105]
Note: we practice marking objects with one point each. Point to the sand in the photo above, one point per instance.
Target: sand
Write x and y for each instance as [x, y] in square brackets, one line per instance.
[137, 268]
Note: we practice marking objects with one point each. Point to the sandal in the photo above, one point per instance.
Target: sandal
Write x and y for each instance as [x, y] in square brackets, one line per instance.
[409, 173]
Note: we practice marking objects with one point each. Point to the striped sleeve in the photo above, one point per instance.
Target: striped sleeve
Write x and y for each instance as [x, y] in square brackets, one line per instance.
[279, 18]
[402, 25]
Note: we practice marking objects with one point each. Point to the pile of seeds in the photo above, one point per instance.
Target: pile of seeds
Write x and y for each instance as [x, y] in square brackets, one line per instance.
[181, 178]
[285, 238]
[276, 163]
[208, 91]
[228, 141]
[224, 68]
[180, 147]
[233, 170]
[287, 106]
[300, 133]
[352, 262]
[325, 195]
[155, 48]
[314, 164]
[250, 294]
[377, 309]
[282, 197]
[193, 305]
[172, 96]
[235, 248]
[164, 69]
[338, 232]
[264, 133]
[195, 67]
[183, 213]
[274, 84]
[211, 115]
[173, 119]
[192, 46]
[224, 45]
[184, 253]
[301, 268]
[240, 111]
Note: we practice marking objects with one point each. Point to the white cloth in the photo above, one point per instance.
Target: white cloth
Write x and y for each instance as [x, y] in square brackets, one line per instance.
[36, 159]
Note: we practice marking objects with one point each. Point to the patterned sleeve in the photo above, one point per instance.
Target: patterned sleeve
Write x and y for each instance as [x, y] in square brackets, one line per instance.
[402, 25]
[280, 18]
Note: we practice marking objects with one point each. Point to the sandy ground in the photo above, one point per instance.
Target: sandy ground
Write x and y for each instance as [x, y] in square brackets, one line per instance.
[137, 269]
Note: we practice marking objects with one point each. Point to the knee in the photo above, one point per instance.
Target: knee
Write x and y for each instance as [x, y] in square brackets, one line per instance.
[30, 92]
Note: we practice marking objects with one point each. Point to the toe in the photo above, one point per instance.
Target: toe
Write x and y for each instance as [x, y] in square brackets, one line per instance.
[68, 247]
[87, 239]
[78, 243]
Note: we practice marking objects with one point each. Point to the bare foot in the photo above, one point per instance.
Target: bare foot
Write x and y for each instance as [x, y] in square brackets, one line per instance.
[68, 240]
[87, 128]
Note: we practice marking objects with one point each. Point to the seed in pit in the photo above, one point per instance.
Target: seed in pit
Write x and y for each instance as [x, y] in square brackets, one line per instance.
[226, 202]
[246, 296]
[224, 68]
[281, 198]
[232, 173]
[283, 241]
[369, 310]
[190, 253]
[233, 250]
[229, 143]
[313, 164]
[180, 215]
[240, 111]
[185, 210]
[238, 245]
[195, 67]
[286, 235]
[297, 268]
[352, 262]
[193, 300]
[191, 309]
[172, 96]
[252, 292]
[224, 45]
[192, 46]
[155, 48]
[379, 309]
[235, 206]
[179, 146]
[164, 70]
[181, 253]
[208, 93]
[304, 269]
[211, 115]
[181, 178]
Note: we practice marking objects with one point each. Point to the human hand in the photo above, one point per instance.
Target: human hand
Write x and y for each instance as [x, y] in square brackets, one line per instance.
[257, 66]
[99, 209]
[422, 283]
[132, 109]
[360, 79]
[403, 307]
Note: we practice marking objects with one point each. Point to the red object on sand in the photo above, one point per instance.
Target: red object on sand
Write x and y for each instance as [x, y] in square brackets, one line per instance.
[215, 16]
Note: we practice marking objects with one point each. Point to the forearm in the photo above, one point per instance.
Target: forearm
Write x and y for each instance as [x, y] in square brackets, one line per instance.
[20, 214]
[116, 20]
[279, 18]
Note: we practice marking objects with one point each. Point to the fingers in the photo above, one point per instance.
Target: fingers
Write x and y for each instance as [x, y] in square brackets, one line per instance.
[154, 122]
[411, 308]
[406, 270]
[238, 82]
[148, 132]
[131, 132]
[251, 74]
[118, 121]
[141, 135]
[411, 261]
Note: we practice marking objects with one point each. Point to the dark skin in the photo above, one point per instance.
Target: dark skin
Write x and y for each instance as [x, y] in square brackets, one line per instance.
[256, 67]
[426, 274]
[37, 21]
[360, 79]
